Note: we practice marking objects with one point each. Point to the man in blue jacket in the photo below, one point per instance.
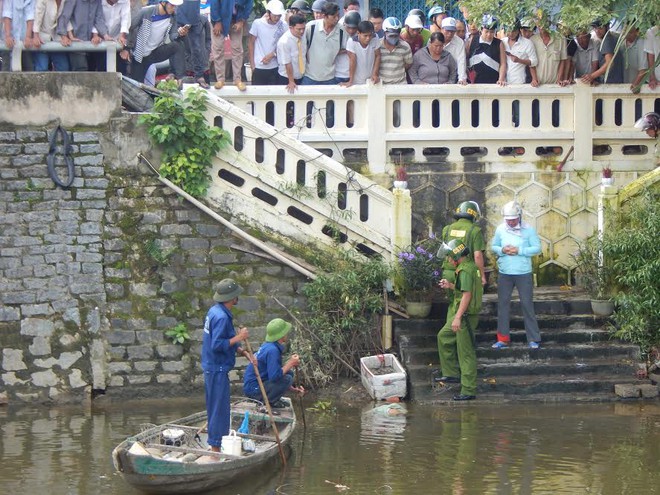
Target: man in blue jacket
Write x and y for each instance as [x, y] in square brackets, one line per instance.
[514, 244]
[228, 18]
[188, 15]
[277, 379]
[220, 345]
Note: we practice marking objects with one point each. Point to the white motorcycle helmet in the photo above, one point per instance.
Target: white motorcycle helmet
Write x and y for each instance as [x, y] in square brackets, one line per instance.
[511, 210]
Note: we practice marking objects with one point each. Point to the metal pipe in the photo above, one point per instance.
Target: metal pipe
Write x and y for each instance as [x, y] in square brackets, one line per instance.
[110, 47]
[242, 234]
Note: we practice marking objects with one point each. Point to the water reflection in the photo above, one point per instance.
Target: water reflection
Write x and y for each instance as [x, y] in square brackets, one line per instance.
[409, 449]
[383, 424]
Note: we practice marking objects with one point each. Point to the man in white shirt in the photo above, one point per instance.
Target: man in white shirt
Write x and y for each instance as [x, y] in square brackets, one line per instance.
[455, 46]
[46, 13]
[262, 44]
[520, 54]
[364, 55]
[291, 54]
[652, 50]
[118, 21]
[342, 64]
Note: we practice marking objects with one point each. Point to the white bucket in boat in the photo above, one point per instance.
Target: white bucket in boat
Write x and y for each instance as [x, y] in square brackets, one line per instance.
[231, 444]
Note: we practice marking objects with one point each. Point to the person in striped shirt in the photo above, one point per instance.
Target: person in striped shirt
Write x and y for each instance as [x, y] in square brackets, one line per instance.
[395, 54]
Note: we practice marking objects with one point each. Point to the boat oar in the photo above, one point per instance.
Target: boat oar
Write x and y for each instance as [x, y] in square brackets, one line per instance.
[197, 437]
[267, 404]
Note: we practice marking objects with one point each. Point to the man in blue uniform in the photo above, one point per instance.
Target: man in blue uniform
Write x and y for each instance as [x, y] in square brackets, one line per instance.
[220, 345]
[277, 379]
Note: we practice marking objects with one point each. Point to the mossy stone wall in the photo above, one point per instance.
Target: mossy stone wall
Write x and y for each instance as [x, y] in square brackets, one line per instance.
[93, 275]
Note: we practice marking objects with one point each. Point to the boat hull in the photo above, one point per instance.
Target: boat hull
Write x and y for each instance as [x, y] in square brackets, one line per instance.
[152, 467]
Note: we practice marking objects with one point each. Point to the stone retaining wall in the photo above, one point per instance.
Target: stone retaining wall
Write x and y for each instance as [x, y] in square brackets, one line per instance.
[92, 276]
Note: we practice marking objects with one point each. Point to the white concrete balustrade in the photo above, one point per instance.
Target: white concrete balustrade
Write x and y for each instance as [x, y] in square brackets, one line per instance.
[275, 175]
[500, 125]
[272, 180]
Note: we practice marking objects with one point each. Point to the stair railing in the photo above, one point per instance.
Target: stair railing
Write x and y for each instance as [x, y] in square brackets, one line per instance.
[270, 179]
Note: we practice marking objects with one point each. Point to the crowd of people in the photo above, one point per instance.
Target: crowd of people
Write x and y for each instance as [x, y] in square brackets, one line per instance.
[325, 43]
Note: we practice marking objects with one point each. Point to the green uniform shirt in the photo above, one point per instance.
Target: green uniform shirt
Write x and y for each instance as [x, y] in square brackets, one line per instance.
[467, 232]
[469, 280]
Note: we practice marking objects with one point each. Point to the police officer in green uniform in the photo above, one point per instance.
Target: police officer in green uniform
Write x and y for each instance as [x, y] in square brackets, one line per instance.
[466, 230]
[456, 339]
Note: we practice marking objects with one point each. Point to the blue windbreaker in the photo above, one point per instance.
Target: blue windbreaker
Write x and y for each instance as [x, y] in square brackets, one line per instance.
[525, 239]
[217, 354]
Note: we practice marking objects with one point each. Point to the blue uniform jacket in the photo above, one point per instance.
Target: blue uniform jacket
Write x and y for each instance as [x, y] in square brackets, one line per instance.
[222, 11]
[188, 13]
[217, 354]
[526, 240]
[269, 360]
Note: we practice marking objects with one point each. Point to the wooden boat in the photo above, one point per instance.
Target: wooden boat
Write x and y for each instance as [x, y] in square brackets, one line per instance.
[175, 458]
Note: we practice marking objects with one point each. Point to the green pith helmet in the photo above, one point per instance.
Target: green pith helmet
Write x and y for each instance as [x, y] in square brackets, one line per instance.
[468, 209]
[455, 249]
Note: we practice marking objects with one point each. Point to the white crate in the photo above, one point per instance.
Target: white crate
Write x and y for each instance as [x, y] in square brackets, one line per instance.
[383, 386]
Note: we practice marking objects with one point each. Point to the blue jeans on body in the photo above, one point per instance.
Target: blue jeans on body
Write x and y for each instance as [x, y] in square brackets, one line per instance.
[329, 82]
[42, 61]
[195, 45]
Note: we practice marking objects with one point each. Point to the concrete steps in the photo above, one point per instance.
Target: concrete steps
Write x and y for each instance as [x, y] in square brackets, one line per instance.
[577, 361]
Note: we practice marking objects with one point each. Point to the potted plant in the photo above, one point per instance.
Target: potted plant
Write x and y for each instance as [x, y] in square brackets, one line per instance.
[607, 179]
[401, 178]
[418, 271]
[595, 276]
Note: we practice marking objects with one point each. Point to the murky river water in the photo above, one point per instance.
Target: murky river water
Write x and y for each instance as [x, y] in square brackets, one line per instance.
[472, 449]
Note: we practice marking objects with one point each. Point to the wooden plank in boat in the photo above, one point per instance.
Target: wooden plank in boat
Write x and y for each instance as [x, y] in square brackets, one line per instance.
[174, 448]
[259, 438]
[281, 415]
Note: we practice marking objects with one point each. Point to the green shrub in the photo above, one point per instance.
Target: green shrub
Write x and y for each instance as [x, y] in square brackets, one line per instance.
[343, 304]
[188, 142]
[595, 275]
[632, 252]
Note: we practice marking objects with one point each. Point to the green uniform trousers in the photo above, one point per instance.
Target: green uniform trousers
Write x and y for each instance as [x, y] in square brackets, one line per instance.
[457, 354]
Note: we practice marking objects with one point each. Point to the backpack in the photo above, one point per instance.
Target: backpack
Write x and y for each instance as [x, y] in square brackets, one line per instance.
[477, 289]
[312, 28]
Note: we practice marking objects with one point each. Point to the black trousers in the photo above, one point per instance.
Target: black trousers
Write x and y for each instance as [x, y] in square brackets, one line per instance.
[172, 51]
[265, 77]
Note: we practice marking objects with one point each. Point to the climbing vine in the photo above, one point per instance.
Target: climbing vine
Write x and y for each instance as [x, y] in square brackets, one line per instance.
[189, 143]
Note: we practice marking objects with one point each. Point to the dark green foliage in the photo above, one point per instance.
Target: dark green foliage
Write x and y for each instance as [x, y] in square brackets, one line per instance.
[343, 303]
[594, 275]
[574, 15]
[632, 252]
[189, 144]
